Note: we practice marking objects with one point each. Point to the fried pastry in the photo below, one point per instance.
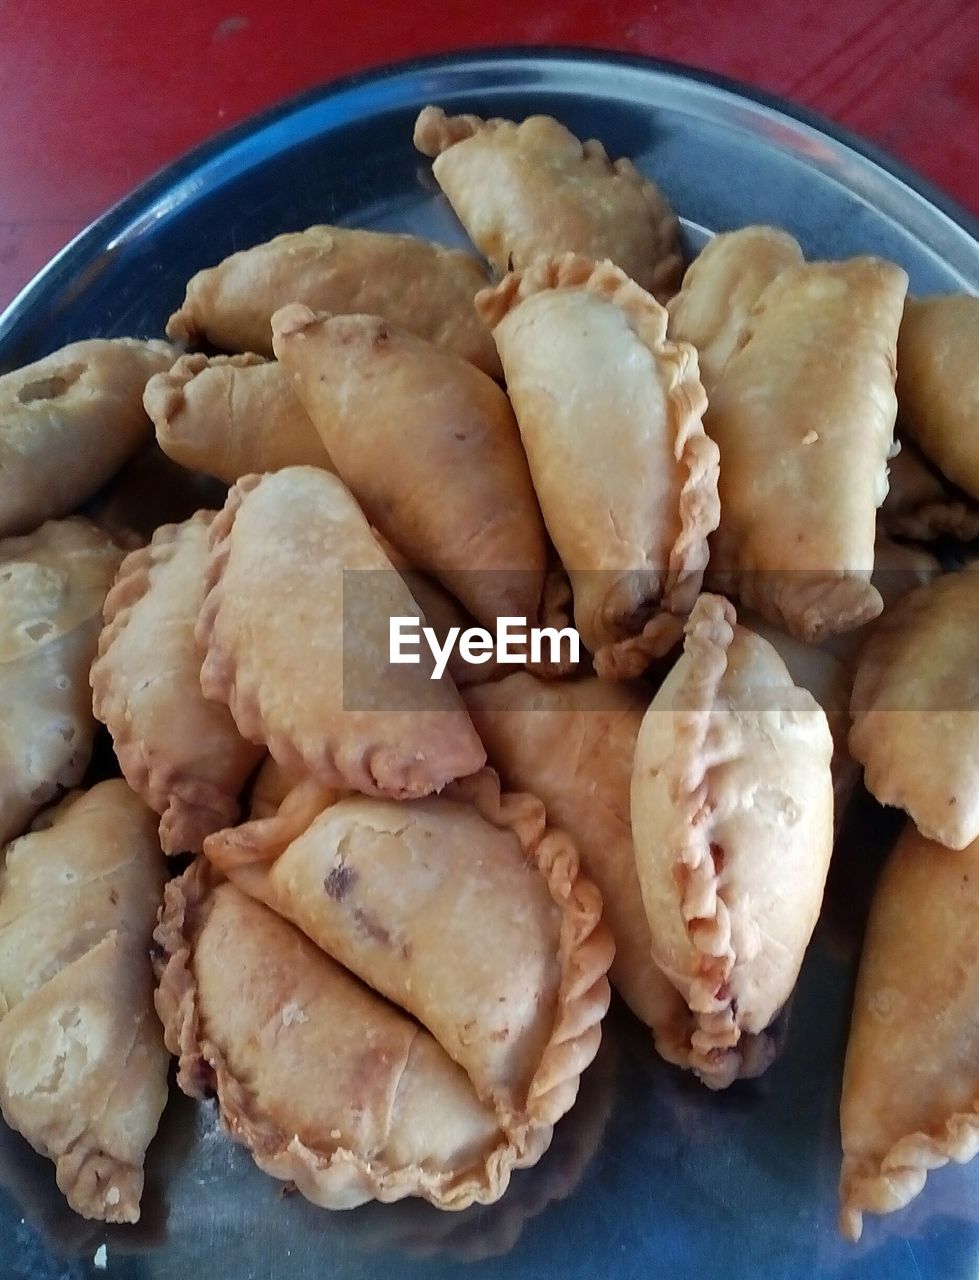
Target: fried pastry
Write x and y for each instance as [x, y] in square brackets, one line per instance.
[915, 720]
[610, 415]
[804, 417]
[732, 817]
[571, 744]
[68, 423]
[52, 585]
[412, 283]
[180, 752]
[230, 416]
[328, 1085]
[720, 288]
[938, 384]
[453, 492]
[922, 505]
[531, 190]
[271, 785]
[83, 1068]
[296, 632]
[911, 1082]
[465, 909]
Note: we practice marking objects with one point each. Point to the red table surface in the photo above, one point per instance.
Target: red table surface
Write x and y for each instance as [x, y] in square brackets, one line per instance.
[97, 94]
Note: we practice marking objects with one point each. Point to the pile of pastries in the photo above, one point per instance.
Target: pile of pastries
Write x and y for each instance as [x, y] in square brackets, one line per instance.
[387, 942]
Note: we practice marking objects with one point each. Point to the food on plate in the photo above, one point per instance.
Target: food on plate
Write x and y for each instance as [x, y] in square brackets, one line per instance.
[411, 283]
[712, 311]
[230, 416]
[465, 909]
[180, 752]
[915, 719]
[270, 786]
[921, 504]
[571, 744]
[296, 632]
[328, 1085]
[938, 384]
[911, 1082]
[67, 424]
[429, 448]
[629, 506]
[732, 818]
[804, 417]
[83, 1068]
[531, 190]
[52, 585]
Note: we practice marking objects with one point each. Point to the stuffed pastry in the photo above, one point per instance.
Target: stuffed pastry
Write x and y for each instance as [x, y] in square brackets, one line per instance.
[296, 631]
[720, 288]
[804, 417]
[230, 416]
[531, 190]
[83, 1068]
[915, 718]
[571, 744]
[938, 384]
[465, 910]
[911, 1082]
[429, 448]
[610, 415]
[52, 585]
[921, 504]
[180, 752]
[329, 1086]
[421, 287]
[68, 423]
[732, 817]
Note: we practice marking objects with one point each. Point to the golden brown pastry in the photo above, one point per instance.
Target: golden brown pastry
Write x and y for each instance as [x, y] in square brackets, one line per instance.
[804, 417]
[572, 744]
[52, 585]
[429, 447]
[68, 423]
[180, 752]
[465, 909]
[922, 505]
[83, 1068]
[610, 415]
[911, 1082]
[271, 785]
[421, 287]
[296, 633]
[329, 1086]
[230, 416]
[938, 384]
[531, 190]
[915, 719]
[720, 288]
[732, 816]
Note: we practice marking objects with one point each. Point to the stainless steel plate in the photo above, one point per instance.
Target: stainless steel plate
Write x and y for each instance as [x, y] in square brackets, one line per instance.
[650, 1174]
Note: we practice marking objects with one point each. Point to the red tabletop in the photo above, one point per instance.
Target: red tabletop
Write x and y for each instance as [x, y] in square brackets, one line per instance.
[97, 94]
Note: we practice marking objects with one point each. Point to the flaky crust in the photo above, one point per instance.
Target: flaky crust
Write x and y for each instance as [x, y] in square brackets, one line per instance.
[530, 190]
[421, 286]
[231, 416]
[335, 1177]
[178, 751]
[697, 822]
[915, 727]
[52, 585]
[454, 493]
[303, 532]
[614, 615]
[578, 998]
[68, 423]
[911, 1084]
[804, 417]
